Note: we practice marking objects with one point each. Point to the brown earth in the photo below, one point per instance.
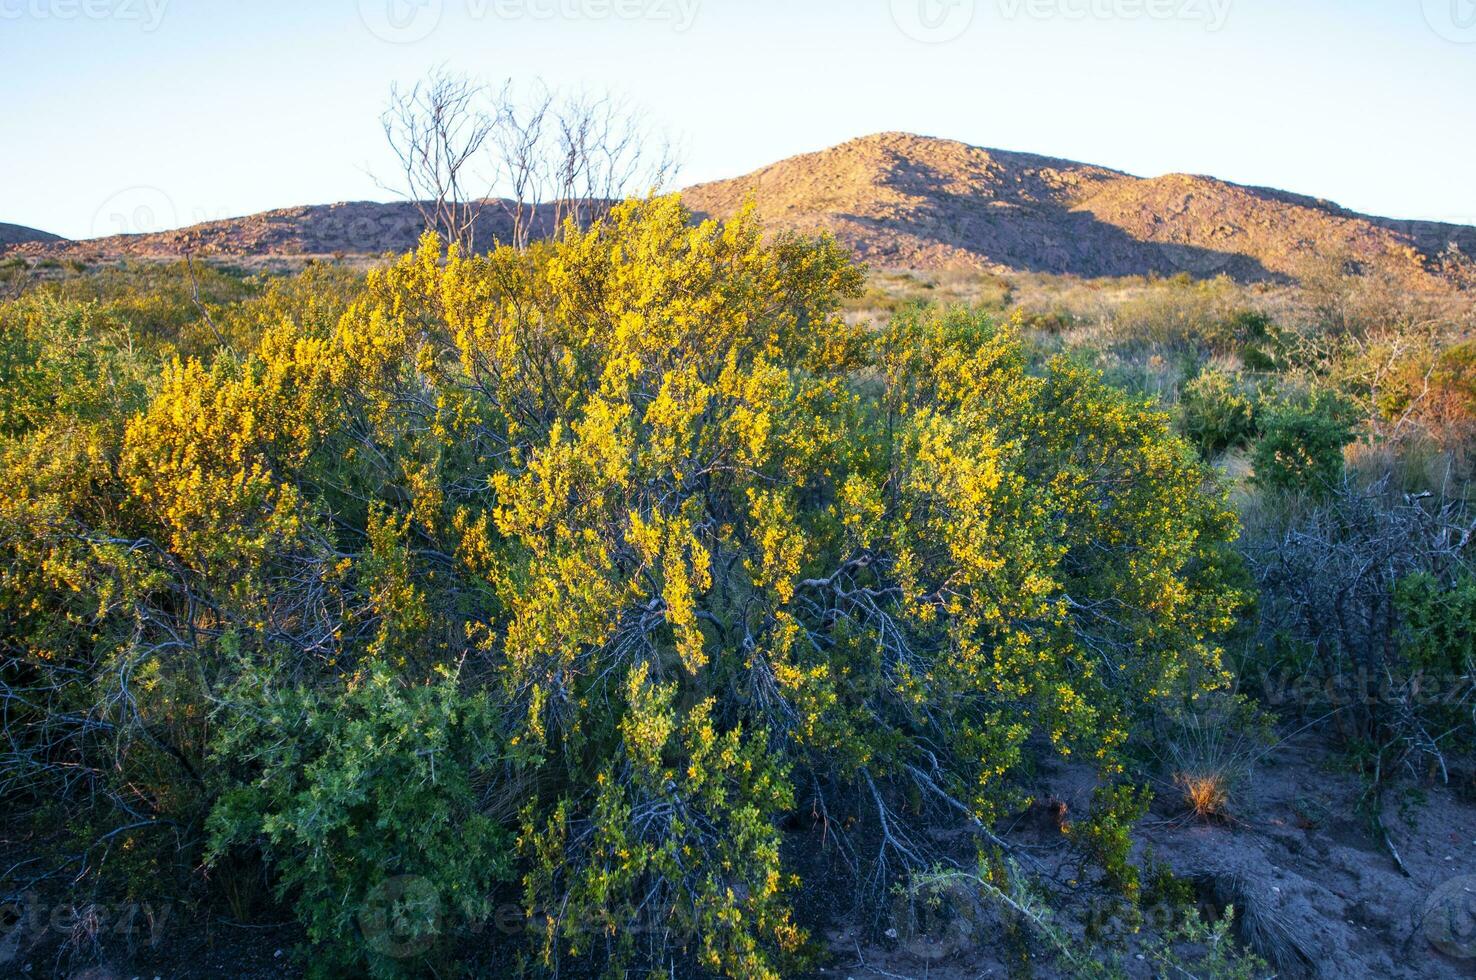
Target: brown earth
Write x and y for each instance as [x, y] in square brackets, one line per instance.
[1318, 891]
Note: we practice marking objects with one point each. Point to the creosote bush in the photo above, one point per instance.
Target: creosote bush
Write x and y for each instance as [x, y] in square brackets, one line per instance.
[567, 573]
[351, 793]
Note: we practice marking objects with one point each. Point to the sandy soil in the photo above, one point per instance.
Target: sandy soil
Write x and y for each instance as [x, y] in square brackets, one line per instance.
[1322, 889]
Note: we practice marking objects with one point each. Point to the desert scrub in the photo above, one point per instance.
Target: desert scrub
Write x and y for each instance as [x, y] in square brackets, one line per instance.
[599, 560]
[1301, 448]
[1366, 613]
[1215, 414]
[365, 795]
[1185, 944]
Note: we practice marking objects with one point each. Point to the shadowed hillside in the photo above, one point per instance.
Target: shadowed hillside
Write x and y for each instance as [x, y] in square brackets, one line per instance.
[17, 234]
[916, 202]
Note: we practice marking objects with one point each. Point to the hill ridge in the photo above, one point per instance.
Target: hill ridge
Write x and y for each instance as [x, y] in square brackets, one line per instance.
[904, 200]
[20, 235]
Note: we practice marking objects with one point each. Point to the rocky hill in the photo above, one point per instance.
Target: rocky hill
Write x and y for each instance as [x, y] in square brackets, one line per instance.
[353, 227]
[909, 201]
[19, 234]
[915, 202]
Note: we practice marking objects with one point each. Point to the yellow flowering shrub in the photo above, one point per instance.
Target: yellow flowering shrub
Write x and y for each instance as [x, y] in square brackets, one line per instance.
[716, 559]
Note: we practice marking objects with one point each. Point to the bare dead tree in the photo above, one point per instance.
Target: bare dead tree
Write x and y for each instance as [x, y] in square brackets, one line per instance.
[607, 151]
[439, 132]
[558, 159]
[566, 159]
[520, 142]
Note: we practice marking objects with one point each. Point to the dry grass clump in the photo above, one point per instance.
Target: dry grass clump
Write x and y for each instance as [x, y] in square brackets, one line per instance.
[1207, 794]
[1209, 751]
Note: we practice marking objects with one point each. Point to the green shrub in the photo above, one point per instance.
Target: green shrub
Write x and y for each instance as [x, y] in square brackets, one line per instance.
[63, 363]
[1437, 646]
[367, 803]
[1215, 415]
[1440, 623]
[1106, 834]
[1301, 449]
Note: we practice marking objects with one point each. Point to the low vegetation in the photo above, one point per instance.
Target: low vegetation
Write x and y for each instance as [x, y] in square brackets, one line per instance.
[650, 581]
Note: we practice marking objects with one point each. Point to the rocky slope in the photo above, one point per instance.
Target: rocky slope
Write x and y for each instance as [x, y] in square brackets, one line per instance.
[914, 202]
[19, 234]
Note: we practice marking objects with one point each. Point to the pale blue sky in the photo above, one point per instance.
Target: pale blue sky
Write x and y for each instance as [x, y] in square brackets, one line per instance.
[173, 111]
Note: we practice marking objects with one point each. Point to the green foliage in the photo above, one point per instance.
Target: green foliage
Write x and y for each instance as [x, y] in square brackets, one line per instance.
[69, 384]
[1187, 315]
[1215, 414]
[665, 853]
[1206, 951]
[1188, 945]
[1301, 450]
[1106, 834]
[61, 364]
[368, 794]
[1438, 647]
[1439, 623]
[187, 309]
